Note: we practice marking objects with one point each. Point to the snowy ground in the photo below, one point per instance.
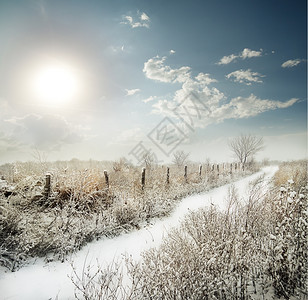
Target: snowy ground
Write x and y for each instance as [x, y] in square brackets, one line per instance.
[52, 281]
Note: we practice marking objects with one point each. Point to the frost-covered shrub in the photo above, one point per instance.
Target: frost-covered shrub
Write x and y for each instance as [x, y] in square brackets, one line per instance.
[248, 250]
[10, 219]
[296, 171]
[288, 251]
[253, 250]
[211, 256]
[81, 207]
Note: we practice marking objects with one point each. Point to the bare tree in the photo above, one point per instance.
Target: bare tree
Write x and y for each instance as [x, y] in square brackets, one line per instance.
[245, 146]
[180, 158]
[41, 158]
[120, 164]
[148, 160]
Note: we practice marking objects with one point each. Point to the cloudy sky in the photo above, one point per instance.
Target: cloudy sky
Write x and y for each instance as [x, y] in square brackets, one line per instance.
[104, 79]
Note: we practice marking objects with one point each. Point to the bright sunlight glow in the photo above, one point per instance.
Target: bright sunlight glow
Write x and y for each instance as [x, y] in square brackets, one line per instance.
[55, 84]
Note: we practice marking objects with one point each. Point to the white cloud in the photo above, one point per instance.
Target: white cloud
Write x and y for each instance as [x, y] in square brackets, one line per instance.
[155, 69]
[205, 79]
[144, 17]
[197, 105]
[172, 51]
[200, 108]
[149, 99]
[227, 59]
[291, 63]
[245, 76]
[246, 53]
[164, 107]
[48, 132]
[143, 20]
[117, 49]
[193, 103]
[244, 107]
[132, 92]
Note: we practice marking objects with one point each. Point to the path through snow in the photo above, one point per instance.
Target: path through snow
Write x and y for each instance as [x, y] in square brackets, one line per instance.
[52, 280]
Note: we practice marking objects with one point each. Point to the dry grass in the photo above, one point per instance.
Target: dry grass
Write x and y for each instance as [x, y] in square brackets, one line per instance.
[82, 208]
[255, 250]
[297, 171]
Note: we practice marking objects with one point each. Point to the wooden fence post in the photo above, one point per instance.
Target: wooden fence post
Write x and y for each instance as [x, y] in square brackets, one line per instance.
[218, 169]
[200, 170]
[143, 178]
[167, 181]
[106, 179]
[47, 186]
[185, 173]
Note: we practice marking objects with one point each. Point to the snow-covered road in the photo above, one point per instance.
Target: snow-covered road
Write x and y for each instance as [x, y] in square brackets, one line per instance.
[52, 280]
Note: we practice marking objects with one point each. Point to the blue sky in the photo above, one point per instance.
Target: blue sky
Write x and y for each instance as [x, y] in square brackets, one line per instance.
[138, 62]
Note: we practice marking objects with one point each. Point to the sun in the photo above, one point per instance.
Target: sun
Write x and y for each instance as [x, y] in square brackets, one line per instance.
[55, 83]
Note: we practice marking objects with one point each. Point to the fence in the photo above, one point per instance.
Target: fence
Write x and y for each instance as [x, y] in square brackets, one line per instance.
[202, 171]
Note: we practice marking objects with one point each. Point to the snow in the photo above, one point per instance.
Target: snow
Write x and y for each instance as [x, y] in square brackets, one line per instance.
[52, 280]
[3, 184]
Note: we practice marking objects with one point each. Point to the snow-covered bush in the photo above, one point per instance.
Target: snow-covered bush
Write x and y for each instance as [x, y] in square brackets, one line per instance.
[295, 171]
[213, 255]
[249, 250]
[256, 249]
[288, 251]
[82, 207]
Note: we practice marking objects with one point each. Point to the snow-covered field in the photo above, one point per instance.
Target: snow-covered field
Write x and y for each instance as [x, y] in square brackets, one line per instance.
[52, 280]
